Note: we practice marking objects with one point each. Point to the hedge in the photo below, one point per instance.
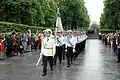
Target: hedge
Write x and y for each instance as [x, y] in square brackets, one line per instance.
[6, 27]
[107, 31]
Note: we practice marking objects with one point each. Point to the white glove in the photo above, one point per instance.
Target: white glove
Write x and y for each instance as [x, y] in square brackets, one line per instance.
[53, 56]
[65, 50]
[73, 50]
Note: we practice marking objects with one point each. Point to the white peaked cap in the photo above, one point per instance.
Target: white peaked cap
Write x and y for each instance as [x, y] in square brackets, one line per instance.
[69, 31]
[48, 30]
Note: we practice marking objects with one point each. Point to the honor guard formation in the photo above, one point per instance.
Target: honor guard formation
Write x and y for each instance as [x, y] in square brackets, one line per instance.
[61, 46]
[54, 47]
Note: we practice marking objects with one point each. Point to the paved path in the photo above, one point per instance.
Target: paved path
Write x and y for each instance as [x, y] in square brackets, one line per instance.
[97, 62]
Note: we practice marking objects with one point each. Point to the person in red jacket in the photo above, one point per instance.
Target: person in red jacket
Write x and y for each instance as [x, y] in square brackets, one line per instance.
[14, 45]
[2, 48]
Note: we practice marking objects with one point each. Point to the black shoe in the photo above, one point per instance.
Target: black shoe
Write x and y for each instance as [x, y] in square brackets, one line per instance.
[59, 62]
[51, 69]
[68, 65]
[118, 61]
[1, 59]
[44, 74]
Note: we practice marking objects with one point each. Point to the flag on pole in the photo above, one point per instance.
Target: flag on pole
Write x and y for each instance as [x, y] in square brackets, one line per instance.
[59, 27]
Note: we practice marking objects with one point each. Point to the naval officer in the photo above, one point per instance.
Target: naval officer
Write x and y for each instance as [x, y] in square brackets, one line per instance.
[70, 45]
[48, 50]
[59, 47]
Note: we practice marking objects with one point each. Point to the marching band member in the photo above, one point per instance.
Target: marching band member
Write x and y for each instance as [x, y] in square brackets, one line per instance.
[70, 47]
[47, 50]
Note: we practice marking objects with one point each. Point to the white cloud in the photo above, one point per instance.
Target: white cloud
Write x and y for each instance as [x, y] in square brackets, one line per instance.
[95, 8]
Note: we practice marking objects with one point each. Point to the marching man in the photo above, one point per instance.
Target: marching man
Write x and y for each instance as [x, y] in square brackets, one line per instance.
[59, 45]
[47, 50]
[70, 44]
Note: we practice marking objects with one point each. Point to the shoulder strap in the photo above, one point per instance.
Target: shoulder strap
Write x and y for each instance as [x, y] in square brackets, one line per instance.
[59, 41]
[69, 41]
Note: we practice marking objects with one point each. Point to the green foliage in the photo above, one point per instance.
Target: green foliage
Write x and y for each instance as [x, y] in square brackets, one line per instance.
[107, 31]
[94, 26]
[29, 12]
[6, 27]
[44, 12]
[110, 19]
[73, 13]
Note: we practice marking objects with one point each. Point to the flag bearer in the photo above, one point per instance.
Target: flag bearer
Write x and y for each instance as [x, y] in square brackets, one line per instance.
[70, 46]
[48, 51]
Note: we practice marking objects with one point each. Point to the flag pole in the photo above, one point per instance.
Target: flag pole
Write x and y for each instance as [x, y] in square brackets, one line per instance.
[56, 27]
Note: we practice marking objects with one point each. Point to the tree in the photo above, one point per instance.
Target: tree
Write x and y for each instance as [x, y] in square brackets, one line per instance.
[44, 12]
[29, 12]
[73, 13]
[94, 26]
[50, 11]
[110, 17]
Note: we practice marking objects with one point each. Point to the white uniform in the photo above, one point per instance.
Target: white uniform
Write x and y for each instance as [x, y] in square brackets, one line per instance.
[70, 45]
[59, 41]
[63, 40]
[82, 38]
[75, 39]
[70, 42]
[48, 46]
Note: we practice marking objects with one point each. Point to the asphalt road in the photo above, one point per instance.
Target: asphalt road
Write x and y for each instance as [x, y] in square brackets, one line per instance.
[96, 62]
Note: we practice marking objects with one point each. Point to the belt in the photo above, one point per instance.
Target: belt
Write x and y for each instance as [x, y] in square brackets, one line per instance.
[69, 47]
[48, 48]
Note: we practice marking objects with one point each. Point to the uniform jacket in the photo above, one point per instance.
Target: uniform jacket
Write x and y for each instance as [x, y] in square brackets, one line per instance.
[59, 41]
[70, 41]
[48, 46]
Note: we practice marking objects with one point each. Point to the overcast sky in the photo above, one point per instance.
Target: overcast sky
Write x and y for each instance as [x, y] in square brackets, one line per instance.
[95, 8]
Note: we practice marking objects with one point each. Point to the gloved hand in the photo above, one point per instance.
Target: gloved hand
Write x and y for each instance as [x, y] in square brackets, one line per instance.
[74, 50]
[118, 46]
[65, 50]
